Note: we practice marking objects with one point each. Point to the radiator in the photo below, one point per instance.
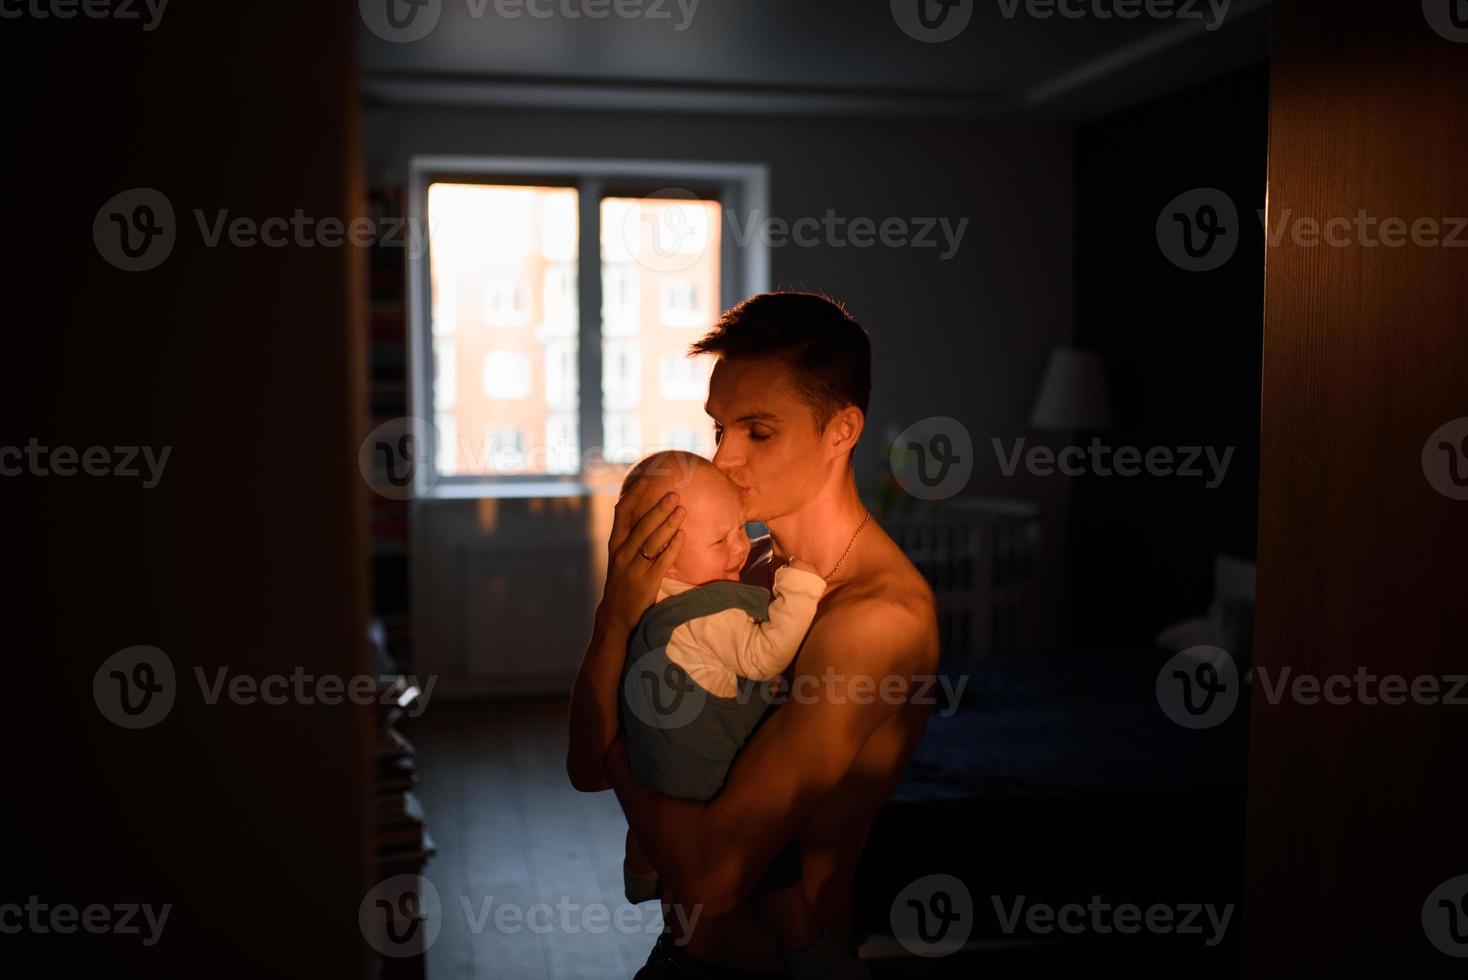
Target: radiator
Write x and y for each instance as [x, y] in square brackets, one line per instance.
[982, 559]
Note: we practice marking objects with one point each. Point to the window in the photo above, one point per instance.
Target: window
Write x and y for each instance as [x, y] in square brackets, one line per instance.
[445, 450]
[683, 378]
[505, 446]
[623, 436]
[679, 305]
[620, 306]
[497, 293]
[560, 376]
[562, 445]
[560, 312]
[506, 374]
[682, 437]
[558, 228]
[445, 305]
[446, 372]
[504, 303]
[621, 373]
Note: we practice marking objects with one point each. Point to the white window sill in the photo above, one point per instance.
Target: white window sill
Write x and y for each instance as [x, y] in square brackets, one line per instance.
[513, 489]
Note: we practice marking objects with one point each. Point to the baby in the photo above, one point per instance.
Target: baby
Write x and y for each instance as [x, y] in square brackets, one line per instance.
[694, 684]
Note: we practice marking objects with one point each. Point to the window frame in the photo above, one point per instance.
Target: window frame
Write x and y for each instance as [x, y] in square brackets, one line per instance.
[742, 188]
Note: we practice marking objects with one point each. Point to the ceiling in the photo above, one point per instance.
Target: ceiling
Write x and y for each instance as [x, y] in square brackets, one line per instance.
[860, 57]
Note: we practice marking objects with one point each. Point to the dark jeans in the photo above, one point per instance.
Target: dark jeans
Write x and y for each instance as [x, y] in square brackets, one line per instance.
[668, 961]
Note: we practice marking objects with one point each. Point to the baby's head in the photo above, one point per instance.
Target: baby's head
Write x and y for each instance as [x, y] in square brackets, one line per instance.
[715, 544]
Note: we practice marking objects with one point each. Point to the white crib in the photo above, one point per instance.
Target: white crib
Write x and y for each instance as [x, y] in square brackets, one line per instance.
[982, 558]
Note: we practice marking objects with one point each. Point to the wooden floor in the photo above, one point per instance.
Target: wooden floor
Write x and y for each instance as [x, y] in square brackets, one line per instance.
[512, 833]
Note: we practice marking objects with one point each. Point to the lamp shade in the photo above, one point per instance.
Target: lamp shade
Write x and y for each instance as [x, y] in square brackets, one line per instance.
[1072, 394]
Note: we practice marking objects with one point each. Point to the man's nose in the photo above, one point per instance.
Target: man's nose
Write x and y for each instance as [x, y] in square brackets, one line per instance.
[724, 457]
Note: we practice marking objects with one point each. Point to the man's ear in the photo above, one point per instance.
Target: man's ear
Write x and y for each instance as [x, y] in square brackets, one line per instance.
[844, 430]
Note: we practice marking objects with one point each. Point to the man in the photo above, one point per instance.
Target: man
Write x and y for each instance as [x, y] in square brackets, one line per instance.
[788, 399]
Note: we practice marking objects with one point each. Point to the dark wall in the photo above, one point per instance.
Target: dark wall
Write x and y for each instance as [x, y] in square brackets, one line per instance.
[249, 820]
[1182, 351]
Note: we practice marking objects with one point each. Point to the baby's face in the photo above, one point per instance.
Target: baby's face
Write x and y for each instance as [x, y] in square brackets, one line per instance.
[715, 544]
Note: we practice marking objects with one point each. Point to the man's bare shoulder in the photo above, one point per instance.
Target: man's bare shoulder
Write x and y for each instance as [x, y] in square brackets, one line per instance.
[888, 612]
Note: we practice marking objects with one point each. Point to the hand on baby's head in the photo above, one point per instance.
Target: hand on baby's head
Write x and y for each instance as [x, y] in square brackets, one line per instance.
[715, 545]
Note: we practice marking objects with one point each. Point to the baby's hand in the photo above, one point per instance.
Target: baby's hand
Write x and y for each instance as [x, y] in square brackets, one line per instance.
[804, 566]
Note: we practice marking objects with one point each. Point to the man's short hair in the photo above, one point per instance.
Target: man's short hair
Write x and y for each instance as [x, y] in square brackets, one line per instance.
[828, 354]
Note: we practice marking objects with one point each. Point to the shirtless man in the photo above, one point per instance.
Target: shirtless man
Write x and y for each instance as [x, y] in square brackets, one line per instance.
[788, 398]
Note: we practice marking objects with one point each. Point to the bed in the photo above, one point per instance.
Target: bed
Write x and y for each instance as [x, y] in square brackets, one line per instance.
[1059, 778]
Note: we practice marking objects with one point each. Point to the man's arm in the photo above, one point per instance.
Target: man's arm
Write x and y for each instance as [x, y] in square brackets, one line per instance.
[632, 585]
[593, 715]
[793, 761]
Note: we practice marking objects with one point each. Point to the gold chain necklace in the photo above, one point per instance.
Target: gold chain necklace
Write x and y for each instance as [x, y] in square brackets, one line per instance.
[849, 544]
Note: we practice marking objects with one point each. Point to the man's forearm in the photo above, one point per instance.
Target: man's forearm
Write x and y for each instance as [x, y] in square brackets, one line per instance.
[699, 875]
[593, 715]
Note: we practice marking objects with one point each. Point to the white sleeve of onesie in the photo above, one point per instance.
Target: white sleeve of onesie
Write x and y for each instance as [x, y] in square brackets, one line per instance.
[756, 649]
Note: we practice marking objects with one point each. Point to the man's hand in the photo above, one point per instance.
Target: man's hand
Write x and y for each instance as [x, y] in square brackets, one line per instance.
[643, 545]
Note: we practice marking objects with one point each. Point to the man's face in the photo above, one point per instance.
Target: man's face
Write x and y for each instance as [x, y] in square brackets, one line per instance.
[767, 439]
